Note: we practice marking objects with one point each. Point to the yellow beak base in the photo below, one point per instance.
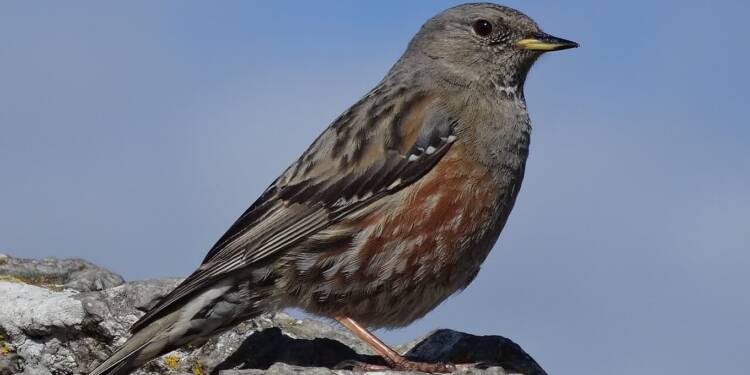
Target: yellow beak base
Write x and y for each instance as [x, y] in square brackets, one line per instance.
[545, 43]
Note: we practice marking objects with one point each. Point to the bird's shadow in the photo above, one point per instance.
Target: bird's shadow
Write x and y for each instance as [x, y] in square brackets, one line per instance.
[264, 348]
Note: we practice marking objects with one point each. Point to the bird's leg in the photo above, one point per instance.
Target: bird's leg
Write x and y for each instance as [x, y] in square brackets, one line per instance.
[394, 360]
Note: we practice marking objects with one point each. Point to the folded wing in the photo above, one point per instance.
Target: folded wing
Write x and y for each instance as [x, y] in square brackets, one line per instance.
[381, 145]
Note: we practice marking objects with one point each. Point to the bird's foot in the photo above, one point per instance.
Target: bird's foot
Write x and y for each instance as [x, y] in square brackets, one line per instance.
[402, 365]
[433, 368]
[358, 366]
[394, 360]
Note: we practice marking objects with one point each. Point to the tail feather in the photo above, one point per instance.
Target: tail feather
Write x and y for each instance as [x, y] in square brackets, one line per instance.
[195, 319]
[144, 345]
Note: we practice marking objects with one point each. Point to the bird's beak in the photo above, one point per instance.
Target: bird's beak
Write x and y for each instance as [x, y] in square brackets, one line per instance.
[545, 42]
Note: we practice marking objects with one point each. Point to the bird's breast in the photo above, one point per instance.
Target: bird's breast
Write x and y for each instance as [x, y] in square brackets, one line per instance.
[418, 247]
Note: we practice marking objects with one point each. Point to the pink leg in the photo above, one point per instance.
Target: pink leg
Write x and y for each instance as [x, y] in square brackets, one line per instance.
[394, 360]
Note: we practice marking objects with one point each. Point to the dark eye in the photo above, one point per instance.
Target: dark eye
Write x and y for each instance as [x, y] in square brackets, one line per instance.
[482, 27]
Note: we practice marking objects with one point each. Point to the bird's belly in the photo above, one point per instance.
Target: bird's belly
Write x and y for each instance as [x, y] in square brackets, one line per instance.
[395, 272]
[398, 262]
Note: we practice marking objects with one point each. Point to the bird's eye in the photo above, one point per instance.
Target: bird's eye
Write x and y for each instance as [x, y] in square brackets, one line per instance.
[482, 27]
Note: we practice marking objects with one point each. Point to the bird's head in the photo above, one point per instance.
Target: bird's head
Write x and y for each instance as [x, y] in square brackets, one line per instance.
[482, 41]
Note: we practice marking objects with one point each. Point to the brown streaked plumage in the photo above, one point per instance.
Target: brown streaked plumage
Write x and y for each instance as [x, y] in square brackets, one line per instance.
[392, 208]
[429, 244]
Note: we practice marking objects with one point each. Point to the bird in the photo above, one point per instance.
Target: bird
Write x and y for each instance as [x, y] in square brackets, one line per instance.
[392, 208]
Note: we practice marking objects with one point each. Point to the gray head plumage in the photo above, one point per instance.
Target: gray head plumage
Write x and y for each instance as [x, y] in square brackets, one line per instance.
[480, 42]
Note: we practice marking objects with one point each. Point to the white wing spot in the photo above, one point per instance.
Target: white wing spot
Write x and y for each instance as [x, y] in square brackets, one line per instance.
[430, 150]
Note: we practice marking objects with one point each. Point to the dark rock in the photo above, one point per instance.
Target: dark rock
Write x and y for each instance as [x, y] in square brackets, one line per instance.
[446, 345]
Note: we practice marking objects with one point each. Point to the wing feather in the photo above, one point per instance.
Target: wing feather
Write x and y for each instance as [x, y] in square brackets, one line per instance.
[299, 204]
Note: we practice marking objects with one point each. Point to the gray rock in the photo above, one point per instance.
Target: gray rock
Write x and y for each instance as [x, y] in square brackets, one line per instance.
[76, 274]
[285, 369]
[64, 331]
[9, 363]
[37, 323]
[35, 370]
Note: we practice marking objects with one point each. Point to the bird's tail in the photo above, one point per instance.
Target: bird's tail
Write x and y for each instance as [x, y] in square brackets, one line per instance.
[149, 342]
[192, 320]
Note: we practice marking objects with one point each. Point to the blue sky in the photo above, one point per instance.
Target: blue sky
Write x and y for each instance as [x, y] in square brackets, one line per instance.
[132, 134]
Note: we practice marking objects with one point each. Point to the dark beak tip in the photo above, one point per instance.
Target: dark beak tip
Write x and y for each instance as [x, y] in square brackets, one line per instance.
[564, 43]
[571, 45]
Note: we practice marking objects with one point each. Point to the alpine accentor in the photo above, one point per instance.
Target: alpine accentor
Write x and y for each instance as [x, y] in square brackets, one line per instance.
[392, 208]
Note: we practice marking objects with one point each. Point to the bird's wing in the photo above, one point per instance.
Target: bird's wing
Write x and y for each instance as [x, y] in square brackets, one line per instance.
[376, 148]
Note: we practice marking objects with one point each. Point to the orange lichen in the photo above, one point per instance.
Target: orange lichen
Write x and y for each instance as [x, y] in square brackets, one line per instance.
[172, 361]
[198, 369]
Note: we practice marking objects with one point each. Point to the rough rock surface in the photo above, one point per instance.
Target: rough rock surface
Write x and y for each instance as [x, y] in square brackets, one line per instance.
[70, 322]
[76, 274]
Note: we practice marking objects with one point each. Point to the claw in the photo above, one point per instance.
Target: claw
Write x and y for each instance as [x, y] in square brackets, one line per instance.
[435, 368]
[357, 366]
[354, 365]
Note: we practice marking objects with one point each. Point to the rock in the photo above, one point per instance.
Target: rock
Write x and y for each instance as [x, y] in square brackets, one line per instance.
[445, 345]
[52, 330]
[285, 369]
[76, 274]
[37, 323]
[9, 363]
